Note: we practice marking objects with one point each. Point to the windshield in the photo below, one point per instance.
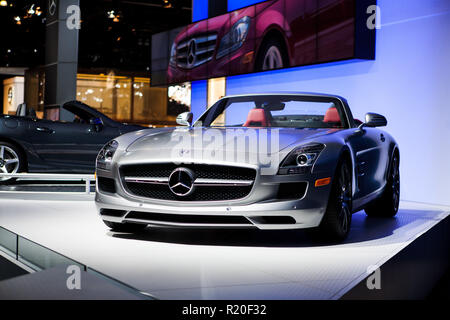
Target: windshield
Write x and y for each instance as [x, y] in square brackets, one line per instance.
[275, 111]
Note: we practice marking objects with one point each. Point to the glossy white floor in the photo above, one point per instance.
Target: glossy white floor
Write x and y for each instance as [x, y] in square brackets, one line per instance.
[218, 264]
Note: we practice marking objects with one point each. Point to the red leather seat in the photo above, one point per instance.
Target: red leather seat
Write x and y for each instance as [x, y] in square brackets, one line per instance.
[257, 118]
[332, 115]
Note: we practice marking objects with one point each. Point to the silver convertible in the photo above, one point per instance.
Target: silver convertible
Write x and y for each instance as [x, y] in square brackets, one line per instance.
[266, 161]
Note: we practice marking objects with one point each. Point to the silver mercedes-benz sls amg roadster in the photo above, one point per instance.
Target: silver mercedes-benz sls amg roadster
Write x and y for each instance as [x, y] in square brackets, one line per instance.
[266, 161]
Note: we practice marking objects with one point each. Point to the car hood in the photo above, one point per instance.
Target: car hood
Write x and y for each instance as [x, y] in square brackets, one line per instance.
[167, 144]
[125, 128]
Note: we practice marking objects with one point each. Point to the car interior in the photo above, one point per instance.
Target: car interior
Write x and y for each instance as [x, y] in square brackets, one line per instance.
[262, 117]
[24, 111]
[80, 116]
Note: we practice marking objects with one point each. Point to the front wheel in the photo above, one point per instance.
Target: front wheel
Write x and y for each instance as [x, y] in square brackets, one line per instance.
[335, 224]
[125, 227]
[11, 160]
[272, 56]
[387, 204]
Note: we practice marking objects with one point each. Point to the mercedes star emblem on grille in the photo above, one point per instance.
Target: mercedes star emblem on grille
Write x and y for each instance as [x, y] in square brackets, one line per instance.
[181, 182]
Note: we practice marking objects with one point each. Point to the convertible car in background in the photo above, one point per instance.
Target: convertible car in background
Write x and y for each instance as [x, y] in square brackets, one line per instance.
[28, 144]
[328, 167]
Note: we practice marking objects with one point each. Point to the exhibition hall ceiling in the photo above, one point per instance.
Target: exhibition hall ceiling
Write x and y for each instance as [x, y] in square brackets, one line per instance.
[113, 33]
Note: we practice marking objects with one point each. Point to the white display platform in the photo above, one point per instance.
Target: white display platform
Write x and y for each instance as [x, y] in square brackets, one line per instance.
[218, 264]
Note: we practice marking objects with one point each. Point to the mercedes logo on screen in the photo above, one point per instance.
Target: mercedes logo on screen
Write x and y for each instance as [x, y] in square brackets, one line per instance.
[192, 49]
[52, 7]
[181, 182]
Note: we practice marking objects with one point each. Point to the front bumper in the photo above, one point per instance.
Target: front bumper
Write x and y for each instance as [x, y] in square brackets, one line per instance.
[268, 213]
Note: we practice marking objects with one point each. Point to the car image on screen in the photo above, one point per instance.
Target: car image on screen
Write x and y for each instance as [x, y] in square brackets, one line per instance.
[270, 35]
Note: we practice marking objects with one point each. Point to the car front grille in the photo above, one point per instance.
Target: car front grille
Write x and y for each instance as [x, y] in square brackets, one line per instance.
[195, 51]
[211, 183]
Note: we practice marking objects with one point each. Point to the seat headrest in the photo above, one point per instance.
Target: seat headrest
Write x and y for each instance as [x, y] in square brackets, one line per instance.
[332, 115]
[257, 118]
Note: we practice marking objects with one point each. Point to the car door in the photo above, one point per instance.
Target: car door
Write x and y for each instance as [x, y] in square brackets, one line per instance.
[371, 158]
[301, 17]
[70, 146]
[96, 137]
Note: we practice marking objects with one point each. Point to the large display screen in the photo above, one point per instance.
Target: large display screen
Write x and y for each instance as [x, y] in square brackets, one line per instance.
[269, 35]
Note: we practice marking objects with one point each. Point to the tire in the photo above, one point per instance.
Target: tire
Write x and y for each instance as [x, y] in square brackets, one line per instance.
[336, 222]
[272, 55]
[125, 227]
[387, 205]
[12, 160]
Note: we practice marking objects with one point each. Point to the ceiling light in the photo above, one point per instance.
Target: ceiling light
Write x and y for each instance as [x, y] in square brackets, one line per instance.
[31, 10]
[3, 3]
[167, 4]
[111, 14]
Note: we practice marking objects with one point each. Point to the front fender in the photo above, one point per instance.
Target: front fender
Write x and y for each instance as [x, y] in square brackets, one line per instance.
[329, 158]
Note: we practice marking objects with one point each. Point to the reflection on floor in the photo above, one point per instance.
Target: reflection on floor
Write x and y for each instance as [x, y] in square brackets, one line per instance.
[51, 284]
[219, 264]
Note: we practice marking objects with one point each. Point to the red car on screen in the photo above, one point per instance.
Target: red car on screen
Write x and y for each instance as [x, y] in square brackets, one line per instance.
[269, 35]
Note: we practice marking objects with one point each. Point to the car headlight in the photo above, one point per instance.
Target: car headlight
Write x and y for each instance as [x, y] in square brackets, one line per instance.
[301, 159]
[234, 39]
[173, 53]
[106, 154]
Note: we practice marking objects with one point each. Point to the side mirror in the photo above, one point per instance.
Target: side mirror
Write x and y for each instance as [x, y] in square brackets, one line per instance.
[185, 119]
[374, 120]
